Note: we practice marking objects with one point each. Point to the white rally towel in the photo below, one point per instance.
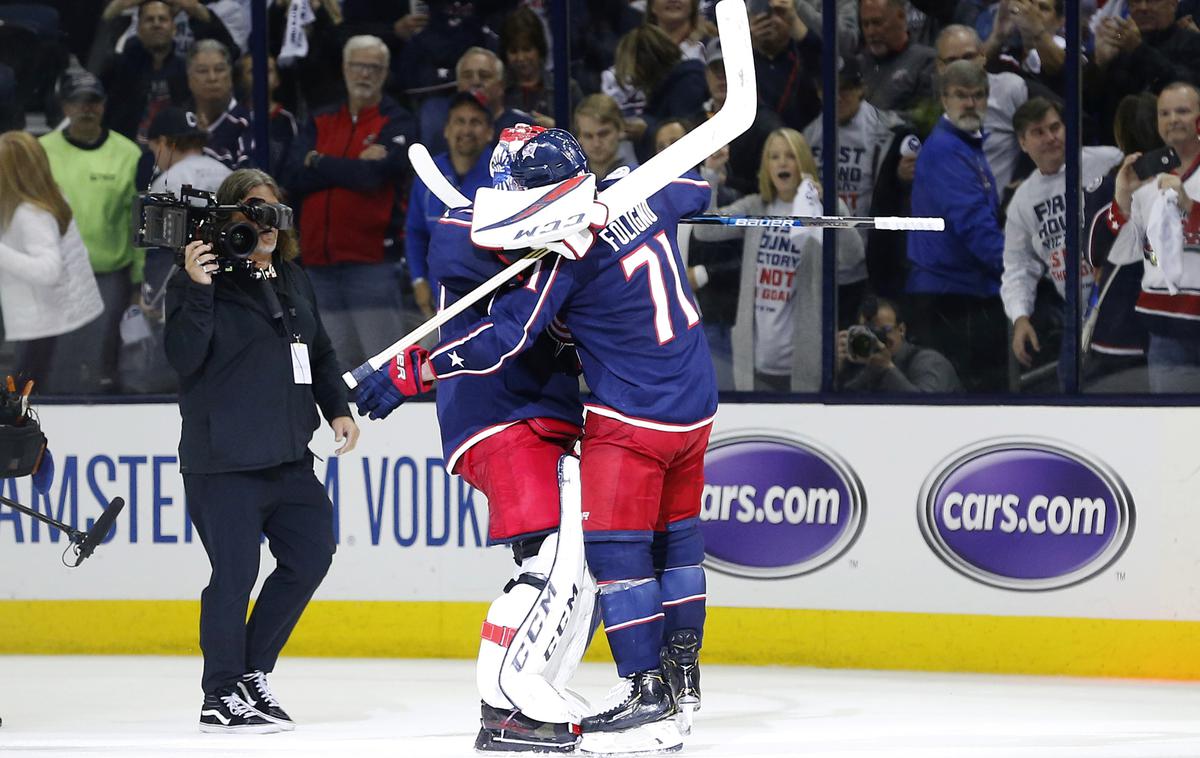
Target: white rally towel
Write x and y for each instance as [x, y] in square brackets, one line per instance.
[295, 41]
[1164, 232]
[807, 202]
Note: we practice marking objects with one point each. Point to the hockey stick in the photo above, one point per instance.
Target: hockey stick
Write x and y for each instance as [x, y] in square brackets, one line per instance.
[897, 223]
[735, 117]
[427, 171]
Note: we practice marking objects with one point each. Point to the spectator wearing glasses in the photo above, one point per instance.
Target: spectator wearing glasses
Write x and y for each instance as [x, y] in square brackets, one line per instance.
[1006, 92]
[345, 171]
[954, 277]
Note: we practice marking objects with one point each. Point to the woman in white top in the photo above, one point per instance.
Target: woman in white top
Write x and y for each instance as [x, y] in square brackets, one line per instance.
[47, 287]
[776, 334]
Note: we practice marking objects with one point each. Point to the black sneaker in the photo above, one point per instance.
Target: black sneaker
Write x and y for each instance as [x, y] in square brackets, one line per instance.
[507, 730]
[649, 700]
[254, 690]
[227, 712]
[681, 664]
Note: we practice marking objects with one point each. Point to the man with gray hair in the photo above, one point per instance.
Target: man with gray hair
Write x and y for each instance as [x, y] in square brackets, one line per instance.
[1006, 92]
[954, 281]
[478, 71]
[897, 71]
[344, 172]
[210, 79]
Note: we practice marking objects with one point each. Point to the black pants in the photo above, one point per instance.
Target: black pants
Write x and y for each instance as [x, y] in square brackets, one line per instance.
[971, 331]
[231, 512]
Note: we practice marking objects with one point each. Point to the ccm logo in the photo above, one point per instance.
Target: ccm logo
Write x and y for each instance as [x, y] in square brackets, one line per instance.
[549, 227]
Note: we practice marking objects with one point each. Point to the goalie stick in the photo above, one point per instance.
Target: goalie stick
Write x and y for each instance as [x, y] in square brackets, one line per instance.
[433, 179]
[896, 223]
[735, 117]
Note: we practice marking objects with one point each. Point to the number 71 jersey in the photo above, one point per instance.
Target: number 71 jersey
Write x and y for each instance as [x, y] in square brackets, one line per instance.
[630, 310]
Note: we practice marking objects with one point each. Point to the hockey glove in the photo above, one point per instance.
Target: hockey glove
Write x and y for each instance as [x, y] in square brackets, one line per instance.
[575, 246]
[386, 389]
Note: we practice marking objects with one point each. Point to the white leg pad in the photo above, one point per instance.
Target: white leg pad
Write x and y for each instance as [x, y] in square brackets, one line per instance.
[534, 638]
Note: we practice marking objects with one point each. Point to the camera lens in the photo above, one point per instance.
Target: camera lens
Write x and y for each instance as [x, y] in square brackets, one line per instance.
[860, 342]
[239, 240]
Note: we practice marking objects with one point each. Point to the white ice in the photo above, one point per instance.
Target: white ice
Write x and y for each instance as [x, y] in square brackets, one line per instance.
[148, 706]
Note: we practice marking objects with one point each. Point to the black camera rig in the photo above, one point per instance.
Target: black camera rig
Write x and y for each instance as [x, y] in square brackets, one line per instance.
[163, 220]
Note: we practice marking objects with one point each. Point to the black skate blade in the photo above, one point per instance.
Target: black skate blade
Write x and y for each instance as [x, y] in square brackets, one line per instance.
[496, 741]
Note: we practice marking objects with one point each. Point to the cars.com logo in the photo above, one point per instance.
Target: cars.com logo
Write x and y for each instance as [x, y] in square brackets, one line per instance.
[1026, 514]
[776, 506]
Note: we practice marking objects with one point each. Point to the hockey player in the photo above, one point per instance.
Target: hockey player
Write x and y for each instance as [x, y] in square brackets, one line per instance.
[504, 434]
[646, 360]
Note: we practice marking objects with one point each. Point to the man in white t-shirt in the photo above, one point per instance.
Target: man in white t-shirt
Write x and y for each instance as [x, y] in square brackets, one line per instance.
[1035, 229]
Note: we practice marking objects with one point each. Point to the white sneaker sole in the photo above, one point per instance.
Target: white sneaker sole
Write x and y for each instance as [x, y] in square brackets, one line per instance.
[271, 728]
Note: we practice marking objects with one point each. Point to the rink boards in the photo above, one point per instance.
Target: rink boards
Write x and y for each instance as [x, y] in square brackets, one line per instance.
[1016, 539]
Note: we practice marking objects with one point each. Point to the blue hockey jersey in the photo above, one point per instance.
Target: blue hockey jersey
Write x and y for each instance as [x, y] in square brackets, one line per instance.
[530, 386]
[630, 309]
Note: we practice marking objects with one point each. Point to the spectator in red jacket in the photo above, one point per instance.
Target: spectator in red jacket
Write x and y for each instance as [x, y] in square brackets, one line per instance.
[345, 171]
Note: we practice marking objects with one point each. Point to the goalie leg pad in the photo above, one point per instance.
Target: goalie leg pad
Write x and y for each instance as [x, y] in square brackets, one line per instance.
[536, 633]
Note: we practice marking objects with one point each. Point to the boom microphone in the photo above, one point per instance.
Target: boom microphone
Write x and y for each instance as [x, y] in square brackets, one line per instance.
[99, 530]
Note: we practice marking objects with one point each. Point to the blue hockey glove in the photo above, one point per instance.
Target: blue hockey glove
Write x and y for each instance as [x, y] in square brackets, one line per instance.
[388, 387]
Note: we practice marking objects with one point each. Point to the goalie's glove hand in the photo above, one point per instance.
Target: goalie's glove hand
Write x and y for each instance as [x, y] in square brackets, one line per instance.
[387, 388]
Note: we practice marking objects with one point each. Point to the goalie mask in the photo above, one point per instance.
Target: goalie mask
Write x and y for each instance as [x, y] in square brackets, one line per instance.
[531, 156]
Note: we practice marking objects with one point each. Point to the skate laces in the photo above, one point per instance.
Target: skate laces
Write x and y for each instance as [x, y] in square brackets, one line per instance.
[236, 705]
[619, 695]
[260, 683]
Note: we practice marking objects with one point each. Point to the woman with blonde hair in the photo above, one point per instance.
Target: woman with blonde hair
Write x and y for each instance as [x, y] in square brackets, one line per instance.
[776, 336]
[47, 288]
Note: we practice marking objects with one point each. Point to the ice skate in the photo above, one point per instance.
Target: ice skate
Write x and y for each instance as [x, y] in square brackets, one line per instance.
[643, 723]
[508, 730]
[682, 668]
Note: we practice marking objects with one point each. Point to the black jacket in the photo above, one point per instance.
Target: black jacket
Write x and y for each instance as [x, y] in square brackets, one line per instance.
[241, 408]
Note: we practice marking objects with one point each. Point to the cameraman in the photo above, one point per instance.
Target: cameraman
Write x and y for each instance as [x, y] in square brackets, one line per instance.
[254, 364]
[882, 360]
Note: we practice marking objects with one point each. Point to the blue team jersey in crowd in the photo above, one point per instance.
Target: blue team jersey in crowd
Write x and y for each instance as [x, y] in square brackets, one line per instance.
[530, 386]
[630, 309]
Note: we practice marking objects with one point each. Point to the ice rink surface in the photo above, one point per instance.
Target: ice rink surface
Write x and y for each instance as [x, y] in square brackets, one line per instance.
[148, 706]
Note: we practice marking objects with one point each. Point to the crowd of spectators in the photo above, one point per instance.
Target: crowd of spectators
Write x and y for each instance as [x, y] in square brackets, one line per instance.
[947, 108]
